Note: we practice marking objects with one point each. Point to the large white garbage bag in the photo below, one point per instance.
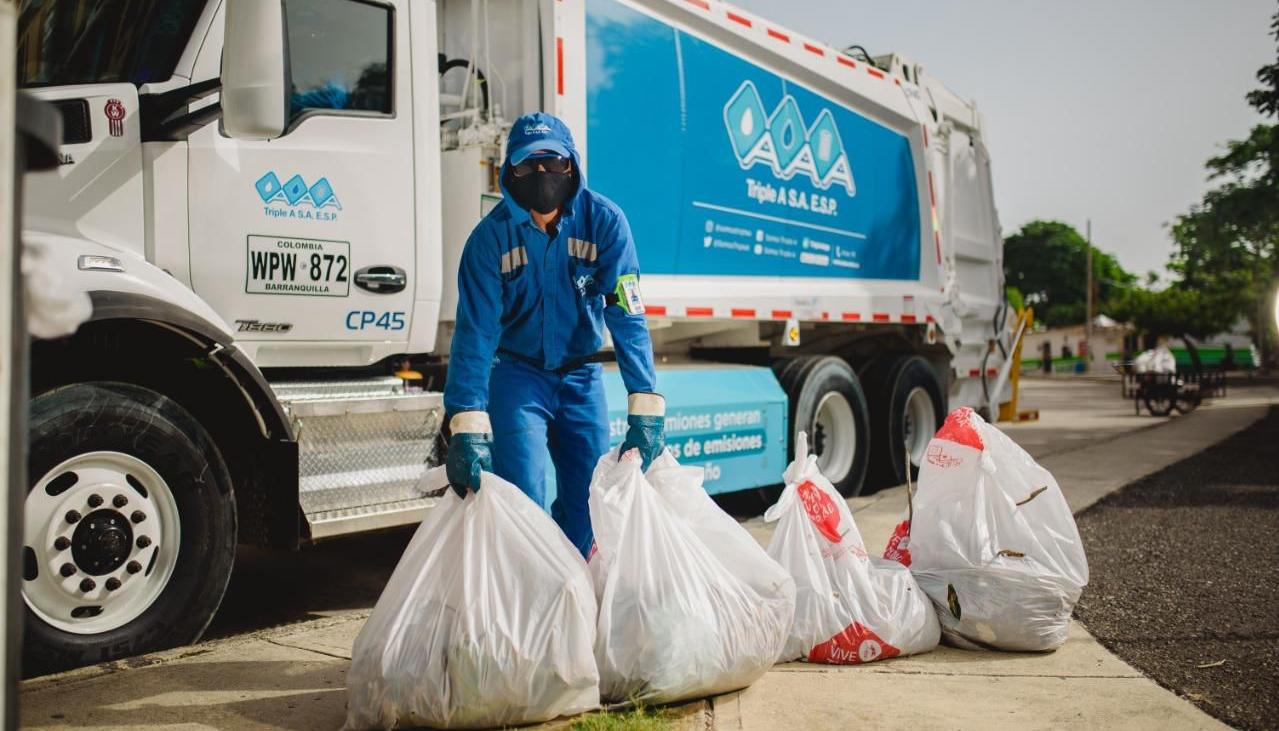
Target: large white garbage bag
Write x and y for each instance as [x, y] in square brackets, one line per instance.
[488, 620]
[740, 554]
[680, 615]
[850, 608]
[993, 542]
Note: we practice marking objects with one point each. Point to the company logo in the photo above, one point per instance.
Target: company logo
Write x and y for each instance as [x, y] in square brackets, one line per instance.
[295, 199]
[936, 455]
[257, 326]
[782, 142]
[541, 128]
[115, 117]
[898, 548]
[821, 510]
[855, 644]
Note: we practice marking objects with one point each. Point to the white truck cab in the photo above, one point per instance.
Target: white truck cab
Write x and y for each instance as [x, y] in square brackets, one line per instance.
[264, 202]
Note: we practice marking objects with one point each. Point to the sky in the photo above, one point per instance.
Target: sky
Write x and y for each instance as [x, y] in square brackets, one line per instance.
[1101, 109]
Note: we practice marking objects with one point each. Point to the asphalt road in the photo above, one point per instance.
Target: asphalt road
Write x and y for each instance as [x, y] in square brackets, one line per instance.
[1185, 576]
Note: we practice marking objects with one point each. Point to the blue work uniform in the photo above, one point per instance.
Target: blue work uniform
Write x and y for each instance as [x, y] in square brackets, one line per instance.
[531, 312]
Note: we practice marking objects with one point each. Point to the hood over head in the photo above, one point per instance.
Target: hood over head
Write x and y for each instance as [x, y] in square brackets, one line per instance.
[533, 133]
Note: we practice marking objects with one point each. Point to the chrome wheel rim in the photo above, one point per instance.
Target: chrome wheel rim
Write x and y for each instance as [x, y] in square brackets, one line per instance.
[834, 436]
[919, 420]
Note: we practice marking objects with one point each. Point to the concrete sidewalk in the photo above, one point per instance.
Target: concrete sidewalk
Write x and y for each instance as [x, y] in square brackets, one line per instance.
[293, 677]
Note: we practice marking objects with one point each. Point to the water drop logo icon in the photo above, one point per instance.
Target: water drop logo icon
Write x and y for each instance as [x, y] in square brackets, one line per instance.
[783, 143]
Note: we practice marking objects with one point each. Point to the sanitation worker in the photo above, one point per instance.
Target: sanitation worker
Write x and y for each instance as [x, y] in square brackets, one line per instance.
[540, 277]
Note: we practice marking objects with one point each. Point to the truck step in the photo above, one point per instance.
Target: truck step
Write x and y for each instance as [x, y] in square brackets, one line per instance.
[362, 445]
[332, 390]
[332, 523]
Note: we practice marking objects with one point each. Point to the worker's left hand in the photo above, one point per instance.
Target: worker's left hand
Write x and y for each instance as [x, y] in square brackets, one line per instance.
[470, 451]
[646, 430]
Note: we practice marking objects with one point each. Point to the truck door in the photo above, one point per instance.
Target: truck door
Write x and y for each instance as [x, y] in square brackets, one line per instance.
[305, 243]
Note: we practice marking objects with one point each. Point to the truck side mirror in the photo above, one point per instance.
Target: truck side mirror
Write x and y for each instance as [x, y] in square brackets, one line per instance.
[255, 79]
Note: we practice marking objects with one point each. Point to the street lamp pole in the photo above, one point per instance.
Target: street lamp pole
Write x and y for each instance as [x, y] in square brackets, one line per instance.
[1088, 299]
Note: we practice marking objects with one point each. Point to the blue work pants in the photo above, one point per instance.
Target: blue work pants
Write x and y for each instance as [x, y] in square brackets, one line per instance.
[532, 408]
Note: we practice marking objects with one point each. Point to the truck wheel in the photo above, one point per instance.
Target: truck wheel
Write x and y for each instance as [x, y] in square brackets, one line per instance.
[129, 527]
[826, 401]
[906, 408]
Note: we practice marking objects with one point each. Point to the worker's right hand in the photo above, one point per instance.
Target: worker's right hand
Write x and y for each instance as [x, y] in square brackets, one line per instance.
[470, 451]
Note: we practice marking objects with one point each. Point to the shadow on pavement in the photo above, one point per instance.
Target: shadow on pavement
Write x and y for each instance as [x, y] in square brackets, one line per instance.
[297, 695]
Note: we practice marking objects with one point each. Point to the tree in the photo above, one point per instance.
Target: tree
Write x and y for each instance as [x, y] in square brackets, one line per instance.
[1046, 261]
[1175, 311]
[1178, 312]
[1227, 245]
[1015, 299]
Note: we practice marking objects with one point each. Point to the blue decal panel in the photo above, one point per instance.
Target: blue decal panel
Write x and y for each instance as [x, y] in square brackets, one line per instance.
[731, 421]
[763, 176]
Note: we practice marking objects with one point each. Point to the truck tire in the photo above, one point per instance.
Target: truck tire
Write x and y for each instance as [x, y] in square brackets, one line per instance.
[826, 400]
[907, 406]
[129, 528]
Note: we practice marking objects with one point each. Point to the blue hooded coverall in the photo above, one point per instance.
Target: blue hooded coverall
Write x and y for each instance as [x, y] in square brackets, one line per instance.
[531, 309]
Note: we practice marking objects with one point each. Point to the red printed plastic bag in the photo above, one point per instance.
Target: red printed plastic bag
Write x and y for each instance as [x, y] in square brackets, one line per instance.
[690, 605]
[849, 608]
[993, 542]
[488, 620]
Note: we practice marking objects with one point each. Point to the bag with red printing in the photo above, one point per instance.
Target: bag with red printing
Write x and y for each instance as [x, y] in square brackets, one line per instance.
[992, 541]
[849, 607]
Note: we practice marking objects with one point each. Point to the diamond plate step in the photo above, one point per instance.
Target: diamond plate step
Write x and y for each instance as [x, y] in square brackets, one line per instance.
[297, 391]
[331, 523]
[362, 445]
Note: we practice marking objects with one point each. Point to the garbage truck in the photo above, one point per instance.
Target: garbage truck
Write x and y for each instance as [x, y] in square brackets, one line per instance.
[259, 211]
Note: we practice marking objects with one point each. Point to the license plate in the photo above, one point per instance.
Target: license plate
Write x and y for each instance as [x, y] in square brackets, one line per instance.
[315, 267]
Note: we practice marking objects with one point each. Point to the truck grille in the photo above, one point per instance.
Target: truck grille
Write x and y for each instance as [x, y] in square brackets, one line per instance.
[76, 129]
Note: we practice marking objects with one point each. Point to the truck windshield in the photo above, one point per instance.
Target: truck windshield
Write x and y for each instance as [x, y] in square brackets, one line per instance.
[99, 41]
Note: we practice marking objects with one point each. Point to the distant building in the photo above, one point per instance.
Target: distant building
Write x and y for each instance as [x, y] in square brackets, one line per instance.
[1108, 337]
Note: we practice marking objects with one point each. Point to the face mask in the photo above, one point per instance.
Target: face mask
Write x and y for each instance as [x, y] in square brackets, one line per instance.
[543, 192]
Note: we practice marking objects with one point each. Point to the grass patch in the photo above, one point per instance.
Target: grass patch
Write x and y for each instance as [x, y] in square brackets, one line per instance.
[636, 719]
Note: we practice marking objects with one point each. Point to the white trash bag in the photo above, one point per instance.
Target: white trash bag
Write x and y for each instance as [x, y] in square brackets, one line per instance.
[850, 608]
[488, 620]
[676, 620]
[992, 541]
[682, 487]
[1158, 360]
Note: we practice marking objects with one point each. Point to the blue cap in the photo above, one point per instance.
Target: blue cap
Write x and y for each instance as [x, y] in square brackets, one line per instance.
[538, 133]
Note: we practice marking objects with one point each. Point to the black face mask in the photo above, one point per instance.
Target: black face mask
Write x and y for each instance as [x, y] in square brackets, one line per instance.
[541, 191]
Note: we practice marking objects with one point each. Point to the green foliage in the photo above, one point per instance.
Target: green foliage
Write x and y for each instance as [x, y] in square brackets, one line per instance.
[638, 718]
[1177, 311]
[1266, 99]
[1015, 299]
[1046, 262]
[1227, 245]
